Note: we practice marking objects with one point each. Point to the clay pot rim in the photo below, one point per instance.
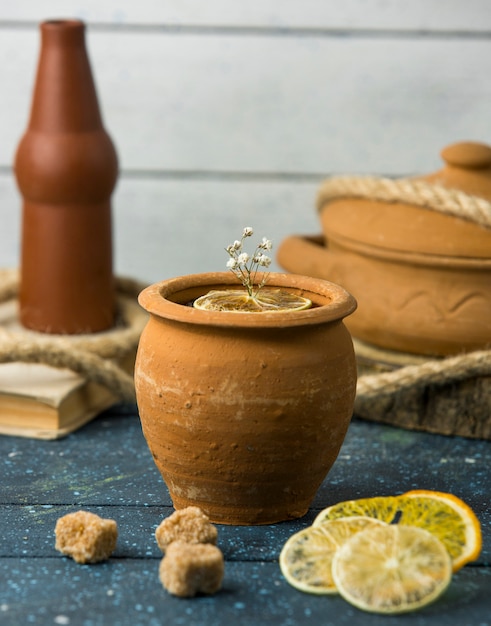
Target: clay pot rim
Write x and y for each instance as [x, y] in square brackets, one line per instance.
[167, 299]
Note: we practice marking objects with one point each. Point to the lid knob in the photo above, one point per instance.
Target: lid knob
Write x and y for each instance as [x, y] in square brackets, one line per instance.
[468, 155]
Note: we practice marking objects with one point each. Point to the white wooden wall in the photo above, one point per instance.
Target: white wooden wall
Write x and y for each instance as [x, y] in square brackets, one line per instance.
[228, 113]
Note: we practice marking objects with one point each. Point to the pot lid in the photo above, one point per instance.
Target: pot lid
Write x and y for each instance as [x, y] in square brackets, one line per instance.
[446, 213]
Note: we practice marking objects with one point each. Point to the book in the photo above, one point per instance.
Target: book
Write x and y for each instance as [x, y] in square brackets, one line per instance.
[43, 402]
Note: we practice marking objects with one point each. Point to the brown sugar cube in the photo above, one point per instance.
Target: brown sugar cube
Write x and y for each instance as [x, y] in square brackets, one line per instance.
[190, 525]
[191, 568]
[86, 537]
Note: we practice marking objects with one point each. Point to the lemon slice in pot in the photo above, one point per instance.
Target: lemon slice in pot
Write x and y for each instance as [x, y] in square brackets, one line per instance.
[239, 301]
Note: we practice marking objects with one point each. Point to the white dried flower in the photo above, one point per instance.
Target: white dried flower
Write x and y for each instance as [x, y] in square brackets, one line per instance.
[242, 258]
[264, 260]
[266, 244]
[244, 266]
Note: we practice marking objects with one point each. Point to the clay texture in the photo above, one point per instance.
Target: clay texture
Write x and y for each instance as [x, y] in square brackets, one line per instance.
[66, 168]
[421, 277]
[245, 413]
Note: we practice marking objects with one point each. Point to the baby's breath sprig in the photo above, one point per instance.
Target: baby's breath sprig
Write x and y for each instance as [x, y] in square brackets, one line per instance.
[244, 266]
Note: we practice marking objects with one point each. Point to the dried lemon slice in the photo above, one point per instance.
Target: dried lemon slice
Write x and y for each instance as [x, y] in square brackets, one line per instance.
[444, 515]
[391, 569]
[306, 557]
[239, 301]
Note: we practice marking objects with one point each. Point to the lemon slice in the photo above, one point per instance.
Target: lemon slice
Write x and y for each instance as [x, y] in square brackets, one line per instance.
[239, 301]
[305, 560]
[444, 515]
[391, 569]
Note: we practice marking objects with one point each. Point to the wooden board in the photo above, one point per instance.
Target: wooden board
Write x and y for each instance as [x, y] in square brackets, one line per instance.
[254, 594]
[164, 240]
[107, 468]
[229, 114]
[461, 407]
[419, 15]
[263, 103]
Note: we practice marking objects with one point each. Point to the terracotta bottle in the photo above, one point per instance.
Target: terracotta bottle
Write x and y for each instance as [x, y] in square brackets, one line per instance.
[66, 168]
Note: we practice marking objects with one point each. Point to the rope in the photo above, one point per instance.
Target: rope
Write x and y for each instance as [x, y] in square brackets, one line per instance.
[443, 371]
[449, 370]
[92, 356]
[416, 192]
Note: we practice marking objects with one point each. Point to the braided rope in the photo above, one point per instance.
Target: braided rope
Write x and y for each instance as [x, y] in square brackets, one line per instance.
[91, 366]
[449, 370]
[416, 192]
[92, 356]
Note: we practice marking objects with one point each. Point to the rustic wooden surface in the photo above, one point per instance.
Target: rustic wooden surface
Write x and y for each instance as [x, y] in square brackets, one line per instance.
[106, 468]
[460, 407]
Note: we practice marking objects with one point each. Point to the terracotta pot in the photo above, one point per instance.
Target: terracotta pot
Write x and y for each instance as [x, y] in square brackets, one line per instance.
[66, 168]
[245, 413]
[421, 278]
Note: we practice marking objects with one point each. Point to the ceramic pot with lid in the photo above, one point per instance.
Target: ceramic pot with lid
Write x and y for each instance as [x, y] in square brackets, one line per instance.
[421, 275]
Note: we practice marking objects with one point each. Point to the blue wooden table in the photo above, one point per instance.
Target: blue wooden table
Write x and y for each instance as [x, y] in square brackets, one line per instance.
[106, 468]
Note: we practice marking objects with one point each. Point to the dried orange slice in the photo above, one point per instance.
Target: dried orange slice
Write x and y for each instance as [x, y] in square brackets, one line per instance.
[444, 515]
[384, 508]
[306, 557]
[448, 518]
[391, 569]
[239, 301]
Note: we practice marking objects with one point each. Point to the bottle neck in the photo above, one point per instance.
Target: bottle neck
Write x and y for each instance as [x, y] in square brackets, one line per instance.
[65, 98]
